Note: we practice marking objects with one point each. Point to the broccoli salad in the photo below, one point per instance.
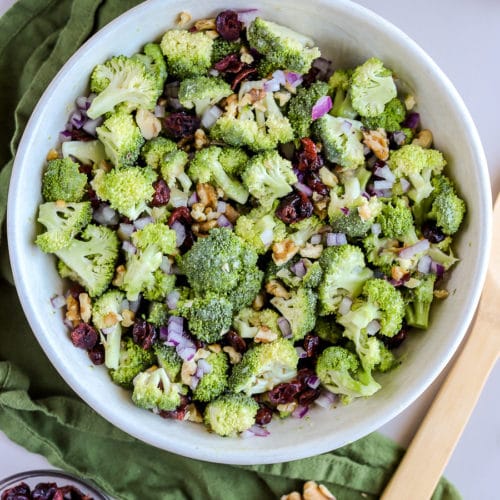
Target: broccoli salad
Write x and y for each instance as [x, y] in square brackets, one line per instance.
[246, 230]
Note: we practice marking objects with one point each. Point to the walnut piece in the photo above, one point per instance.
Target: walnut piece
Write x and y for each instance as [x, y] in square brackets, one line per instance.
[85, 307]
[265, 335]
[283, 251]
[207, 195]
[205, 24]
[275, 288]
[377, 141]
[148, 123]
[183, 18]
[128, 318]
[234, 355]
[423, 138]
[72, 309]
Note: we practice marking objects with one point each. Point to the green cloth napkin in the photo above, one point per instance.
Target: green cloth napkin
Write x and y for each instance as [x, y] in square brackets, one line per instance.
[39, 411]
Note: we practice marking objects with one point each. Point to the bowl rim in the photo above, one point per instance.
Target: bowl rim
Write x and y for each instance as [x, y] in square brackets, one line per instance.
[295, 450]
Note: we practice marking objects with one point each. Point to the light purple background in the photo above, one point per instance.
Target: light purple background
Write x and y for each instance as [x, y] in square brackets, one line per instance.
[463, 37]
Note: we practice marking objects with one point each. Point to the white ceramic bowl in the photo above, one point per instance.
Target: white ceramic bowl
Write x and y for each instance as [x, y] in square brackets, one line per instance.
[348, 34]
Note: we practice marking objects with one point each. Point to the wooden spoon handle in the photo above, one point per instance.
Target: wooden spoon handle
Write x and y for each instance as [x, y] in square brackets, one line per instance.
[423, 463]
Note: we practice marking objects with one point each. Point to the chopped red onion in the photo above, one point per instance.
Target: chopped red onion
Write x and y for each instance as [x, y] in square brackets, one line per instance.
[409, 252]
[326, 399]
[335, 239]
[275, 83]
[381, 185]
[165, 265]
[186, 352]
[412, 120]
[382, 193]
[83, 102]
[284, 326]
[372, 327]
[172, 299]
[315, 239]
[301, 352]
[399, 137]
[267, 237]
[303, 188]
[437, 269]
[300, 411]
[128, 247]
[142, 222]
[321, 107]
[257, 430]
[210, 116]
[246, 16]
[90, 126]
[134, 304]
[125, 304]
[293, 79]
[175, 324]
[345, 306]
[77, 119]
[108, 330]
[223, 221]
[385, 173]
[65, 135]
[203, 367]
[58, 301]
[424, 264]
[192, 199]
[160, 111]
[313, 381]
[405, 184]
[376, 228]
[221, 206]
[180, 232]
[163, 333]
[125, 231]
[106, 215]
[68, 323]
[193, 383]
[299, 268]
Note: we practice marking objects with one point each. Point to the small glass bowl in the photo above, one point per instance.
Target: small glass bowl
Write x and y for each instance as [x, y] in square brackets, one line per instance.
[34, 477]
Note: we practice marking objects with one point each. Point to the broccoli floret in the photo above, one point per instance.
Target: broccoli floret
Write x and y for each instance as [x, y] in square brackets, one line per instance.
[282, 47]
[344, 274]
[339, 84]
[388, 361]
[260, 228]
[106, 316]
[63, 221]
[219, 263]
[381, 252]
[301, 232]
[418, 165]
[168, 359]
[119, 80]
[300, 107]
[248, 288]
[390, 119]
[122, 138]
[158, 235]
[396, 221]
[340, 372]
[153, 390]
[133, 360]
[233, 160]
[87, 152]
[201, 92]
[214, 380]
[230, 414]
[263, 366]
[447, 209]
[209, 317]
[284, 272]
[205, 167]
[328, 330]
[442, 257]
[372, 87]
[162, 285]
[222, 48]
[418, 302]
[188, 54]
[299, 309]
[249, 322]
[341, 138]
[158, 313]
[155, 64]
[128, 190]
[259, 127]
[92, 258]
[268, 176]
[62, 180]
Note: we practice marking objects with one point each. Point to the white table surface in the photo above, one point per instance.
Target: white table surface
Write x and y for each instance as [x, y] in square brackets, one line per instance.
[463, 37]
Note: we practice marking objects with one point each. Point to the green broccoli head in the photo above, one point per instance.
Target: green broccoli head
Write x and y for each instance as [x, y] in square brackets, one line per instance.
[128, 190]
[92, 258]
[282, 47]
[447, 208]
[264, 366]
[390, 119]
[188, 54]
[122, 138]
[268, 176]
[155, 64]
[418, 302]
[214, 380]
[158, 235]
[87, 152]
[300, 232]
[344, 274]
[201, 92]
[120, 80]
[328, 329]
[299, 309]
[381, 252]
[248, 322]
[300, 107]
[168, 359]
[396, 221]
[162, 285]
[248, 288]
[153, 390]
[158, 313]
[222, 48]
[205, 167]
[63, 221]
[233, 160]
[209, 317]
[372, 87]
[339, 370]
[339, 85]
[155, 151]
[133, 360]
[341, 139]
[62, 180]
[230, 414]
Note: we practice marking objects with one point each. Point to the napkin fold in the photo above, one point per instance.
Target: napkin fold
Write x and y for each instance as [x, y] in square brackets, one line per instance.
[39, 411]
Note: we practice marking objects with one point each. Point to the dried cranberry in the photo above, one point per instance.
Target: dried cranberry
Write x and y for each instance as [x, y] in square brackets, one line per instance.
[181, 214]
[85, 169]
[284, 393]
[432, 232]
[314, 181]
[310, 77]
[311, 343]
[397, 340]
[84, 336]
[144, 334]
[244, 73]
[180, 124]
[228, 25]
[306, 397]
[188, 241]
[235, 341]
[230, 64]
[44, 491]
[81, 135]
[75, 290]
[307, 157]
[264, 415]
[162, 193]
[294, 208]
[304, 375]
[19, 492]
[92, 197]
[96, 354]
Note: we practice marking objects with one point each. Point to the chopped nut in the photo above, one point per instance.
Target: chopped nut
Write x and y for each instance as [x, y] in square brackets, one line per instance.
[213, 34]
[85, 307]
[52, 155]
[328, 178]
[377, 141]
[265, 335]
[198, 213]
[313, 491]
[311, 251]
[283, 251]
[231, 104]
[441, 294]
[105, 166]
[275, 288]
[294, 495]
[183, 18]
[364, 211]
[398, 272]
[282, 97]
[201, 354]
[410, 102]
[258, 302]
[119, 274]
[321, 206]
[234, 355]
[200, 139]
[231, 213]
[148, 123]
[128, 318]
[206, 226]
[205, 24]
[246, 58]
[211, 215]
[60, 203]
[111, 319]
[187, 371]
[423, 139]
[214, 348]
[193, 414]
[72, 309]
[206, 194]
